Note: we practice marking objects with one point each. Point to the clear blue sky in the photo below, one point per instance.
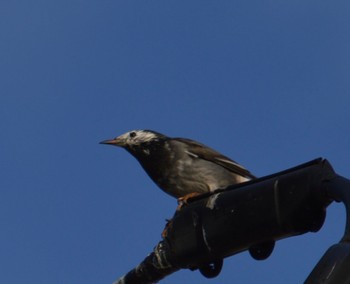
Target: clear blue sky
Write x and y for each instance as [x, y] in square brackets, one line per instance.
[266, 83]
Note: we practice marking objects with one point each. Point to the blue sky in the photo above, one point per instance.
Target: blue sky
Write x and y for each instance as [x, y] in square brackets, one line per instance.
[264, 82]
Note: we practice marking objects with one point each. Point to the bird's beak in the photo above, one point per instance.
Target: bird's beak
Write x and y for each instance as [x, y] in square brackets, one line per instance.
[115, 142]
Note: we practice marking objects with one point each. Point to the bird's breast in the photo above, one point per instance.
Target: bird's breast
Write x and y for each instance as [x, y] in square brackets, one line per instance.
[179, 174]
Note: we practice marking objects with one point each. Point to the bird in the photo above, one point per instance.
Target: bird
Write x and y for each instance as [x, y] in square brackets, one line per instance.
[181, 167]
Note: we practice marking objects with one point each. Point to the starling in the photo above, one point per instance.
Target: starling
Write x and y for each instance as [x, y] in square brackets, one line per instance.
[181, 167]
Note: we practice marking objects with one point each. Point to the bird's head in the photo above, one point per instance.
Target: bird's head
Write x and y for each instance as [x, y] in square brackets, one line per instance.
[135, 139]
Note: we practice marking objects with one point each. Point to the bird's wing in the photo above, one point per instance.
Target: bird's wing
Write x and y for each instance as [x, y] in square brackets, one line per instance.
[198, 150]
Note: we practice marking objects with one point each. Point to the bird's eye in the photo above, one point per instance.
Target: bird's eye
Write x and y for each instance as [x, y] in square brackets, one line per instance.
[132, 134]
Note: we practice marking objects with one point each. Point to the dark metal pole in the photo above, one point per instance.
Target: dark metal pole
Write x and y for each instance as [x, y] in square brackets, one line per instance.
[249, 216]
[334, 266]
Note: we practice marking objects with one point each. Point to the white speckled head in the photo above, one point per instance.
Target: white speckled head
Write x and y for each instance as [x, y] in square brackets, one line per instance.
[137, 137]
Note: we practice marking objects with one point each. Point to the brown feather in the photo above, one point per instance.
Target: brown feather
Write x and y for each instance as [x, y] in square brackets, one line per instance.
[204, 152]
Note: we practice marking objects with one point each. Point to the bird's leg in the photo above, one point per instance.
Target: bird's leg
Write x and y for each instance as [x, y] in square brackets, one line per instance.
[184, 199]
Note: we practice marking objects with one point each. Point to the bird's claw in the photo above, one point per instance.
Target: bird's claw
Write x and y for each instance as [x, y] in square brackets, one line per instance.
[183, 200]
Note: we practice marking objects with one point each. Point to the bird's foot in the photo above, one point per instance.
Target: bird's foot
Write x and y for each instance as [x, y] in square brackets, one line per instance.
[184, 199]
[167, 226]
